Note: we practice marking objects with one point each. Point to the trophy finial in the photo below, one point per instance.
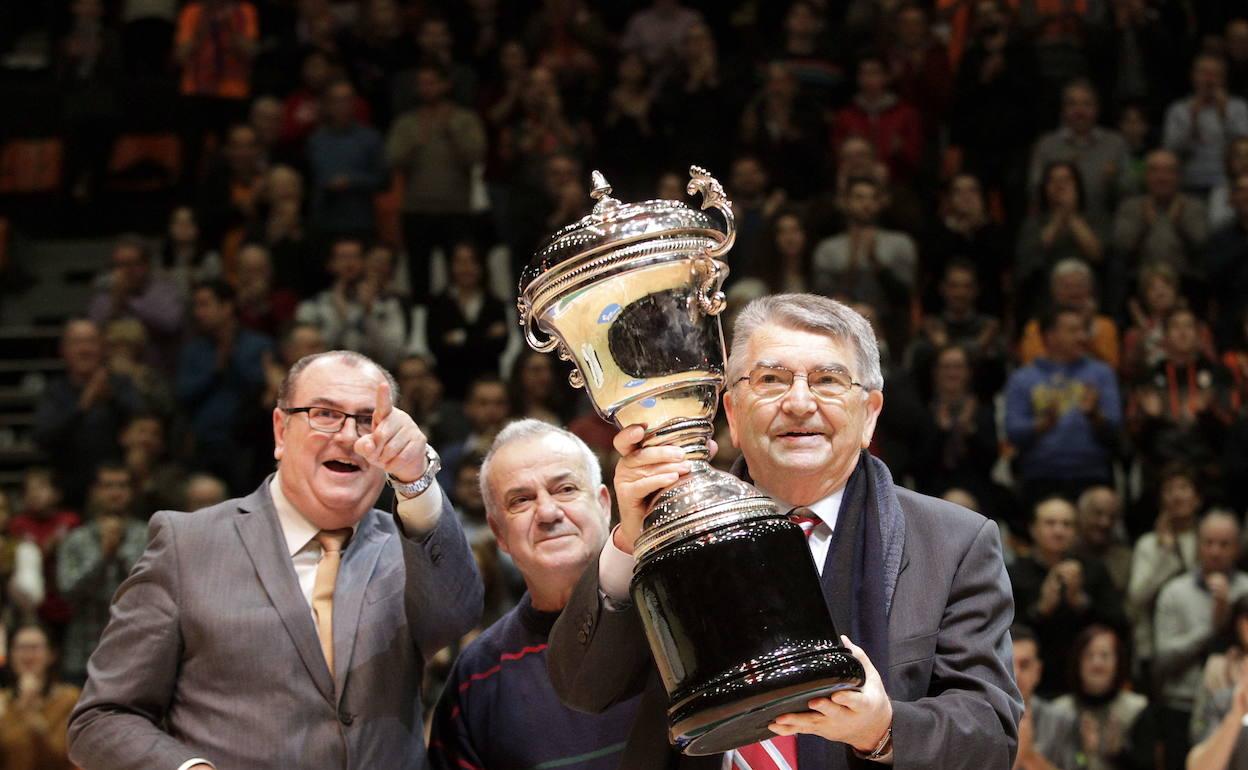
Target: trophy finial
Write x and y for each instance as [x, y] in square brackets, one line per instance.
[602, 193]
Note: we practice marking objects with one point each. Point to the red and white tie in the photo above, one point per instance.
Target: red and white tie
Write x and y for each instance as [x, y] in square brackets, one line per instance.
[806, 519]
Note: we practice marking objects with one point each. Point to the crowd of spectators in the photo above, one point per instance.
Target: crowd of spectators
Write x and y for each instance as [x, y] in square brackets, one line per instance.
[1042, 206]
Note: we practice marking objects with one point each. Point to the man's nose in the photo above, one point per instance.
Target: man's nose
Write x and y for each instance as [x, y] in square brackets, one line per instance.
[798, 399]
[548, 511]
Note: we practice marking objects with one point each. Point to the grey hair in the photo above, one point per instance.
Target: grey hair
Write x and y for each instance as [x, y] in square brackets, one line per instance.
[348, 357]
[811, 313]
[1071, 265]
[526, 429]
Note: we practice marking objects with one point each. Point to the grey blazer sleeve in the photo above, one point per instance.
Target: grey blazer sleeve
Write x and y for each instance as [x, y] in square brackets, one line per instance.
[597, 657]
[443, 594]
[969, 718]
[115, 725]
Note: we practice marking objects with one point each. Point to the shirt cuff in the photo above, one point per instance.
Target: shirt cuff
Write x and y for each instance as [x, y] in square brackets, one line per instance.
[192, 762]
[420, 514]
[615, 572]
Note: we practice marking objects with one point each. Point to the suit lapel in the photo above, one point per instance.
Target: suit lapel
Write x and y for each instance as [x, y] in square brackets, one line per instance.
[262, 537]
[357, 568]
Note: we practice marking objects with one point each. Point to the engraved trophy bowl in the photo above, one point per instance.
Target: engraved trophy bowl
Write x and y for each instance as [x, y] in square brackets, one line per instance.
[725, 586]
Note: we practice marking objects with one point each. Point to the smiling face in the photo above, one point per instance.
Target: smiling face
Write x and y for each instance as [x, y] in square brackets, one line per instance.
[797, 446]
[331, 485]
[32, 653]
[547, 515]
[1098, 664]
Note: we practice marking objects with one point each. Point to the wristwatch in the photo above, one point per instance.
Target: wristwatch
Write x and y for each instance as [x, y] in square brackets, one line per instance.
[884, 748]
[433, 464]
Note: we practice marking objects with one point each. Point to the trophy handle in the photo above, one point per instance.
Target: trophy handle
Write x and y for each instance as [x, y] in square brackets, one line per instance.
[713, 196]
[709, 274]
[526, 320]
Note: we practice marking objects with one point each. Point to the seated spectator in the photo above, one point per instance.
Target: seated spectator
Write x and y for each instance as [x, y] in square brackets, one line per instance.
[1062, 412]
[184, 257]
[132, 289]
[298, 340]
[538, 391]
[1163, 224]
[1044, 734]
[1192, 610]
[1116, 729]
[1221, 209]
[919, 63]
[1071, 284]
[420, 395]
[488, 409]
[21, 573]
[1180, 409]
[202, 490]
[220, 379]
[1222, 701]
[657, 32]
[780, 128]
[537, 482]
[1165, 552]
[1143, 346]
[1057, 593]
[1059, 229]
[1136, 130]
[231, 192]
[345, 166]
[808, 48]
[1100, 520]
[754, 203]
[44, 522]
[960, 445]
[1099, 153]
[1198, 127]
[262, 307]
[34, 711]
[303, 108]
[959, 321]
[281, 228]
[786, 254]
[92, 562]
[157, 479]
[866, 262]
[80, 415]
[467, 326]
[967, 232]
[631, 128]
[125, 349]
[893, 126]
[1226, 261]
[701, 89]
[352, 314]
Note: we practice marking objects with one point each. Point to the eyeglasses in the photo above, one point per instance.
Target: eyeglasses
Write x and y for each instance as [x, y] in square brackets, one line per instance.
[326, 420]
[769, 382]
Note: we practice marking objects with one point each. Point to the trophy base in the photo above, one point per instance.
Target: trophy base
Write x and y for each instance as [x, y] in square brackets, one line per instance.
[741, 722]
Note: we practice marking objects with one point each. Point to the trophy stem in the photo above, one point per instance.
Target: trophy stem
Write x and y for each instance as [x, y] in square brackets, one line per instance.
[692, 434]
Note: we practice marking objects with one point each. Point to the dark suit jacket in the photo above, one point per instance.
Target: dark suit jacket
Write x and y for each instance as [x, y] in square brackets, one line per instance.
[211, 651]
[950, 675]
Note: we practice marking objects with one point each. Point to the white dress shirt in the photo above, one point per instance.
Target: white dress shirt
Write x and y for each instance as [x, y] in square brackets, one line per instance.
[418, 514]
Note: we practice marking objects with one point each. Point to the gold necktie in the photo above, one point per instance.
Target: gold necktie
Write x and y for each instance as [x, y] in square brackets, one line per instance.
[332, 542]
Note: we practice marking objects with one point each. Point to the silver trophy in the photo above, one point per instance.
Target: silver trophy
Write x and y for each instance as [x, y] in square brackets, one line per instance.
[724, 583]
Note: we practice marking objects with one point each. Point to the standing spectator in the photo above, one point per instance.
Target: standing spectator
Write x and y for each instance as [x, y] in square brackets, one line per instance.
[960, 322]
[893, 126]
[435, 146]
[754, 203]
[352, 314]
[919, 64]
[786, 254]
[304, 109]
[263, 307]
[1063, 412]
[156, 478]
[92, 562]
[1043, 734]
[1163, 553]
[1221, 208]
[630, 128]
[345, 166]
[467, 324]
[966, 231]
[44, 522]
[220, 379]
[80, 415]
[784, 132]
[88, 70]
[1099, 153]
[375, 51]
[694, 99]
[1071, 284]
[1199, 127]
[34, 711]
[183, 256]
[1222, 701]
[233, 190]
[1117, 730]
[133, 289]
[1226, 259]
[657, 32]
[215, 43]
[435, 46]
[420, 395]
[807, 50]
[1100, 519]
[1139, 57]
[21, 573]
[1192, 610]
[1163, 224]
[1058, 594]
[281, 228]
[538, 392]
[1059, 229]
[488, 409]
[125, 345]
[147, 35]
[1159, 294]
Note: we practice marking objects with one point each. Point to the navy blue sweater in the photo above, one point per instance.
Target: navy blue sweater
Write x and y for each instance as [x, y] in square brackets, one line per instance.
[499, 711]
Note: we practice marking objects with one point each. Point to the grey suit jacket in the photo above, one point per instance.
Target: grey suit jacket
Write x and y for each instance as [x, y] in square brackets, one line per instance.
[950, 675]
[211, 650]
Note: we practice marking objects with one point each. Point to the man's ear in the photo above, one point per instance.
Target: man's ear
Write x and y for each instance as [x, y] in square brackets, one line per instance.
[730, 411]
[279, 433]
[498, 534]
[875, 404]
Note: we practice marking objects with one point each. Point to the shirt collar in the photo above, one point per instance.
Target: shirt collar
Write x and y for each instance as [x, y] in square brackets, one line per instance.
[827, 509]
[296, 529]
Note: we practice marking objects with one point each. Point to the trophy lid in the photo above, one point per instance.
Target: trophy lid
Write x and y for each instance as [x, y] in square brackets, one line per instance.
[613, 224]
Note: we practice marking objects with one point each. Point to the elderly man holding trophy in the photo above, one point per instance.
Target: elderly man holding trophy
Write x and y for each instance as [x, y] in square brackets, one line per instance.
[719, 596]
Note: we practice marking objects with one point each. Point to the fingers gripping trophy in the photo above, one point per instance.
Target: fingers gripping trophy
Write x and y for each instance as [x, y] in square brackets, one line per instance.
[724, 583]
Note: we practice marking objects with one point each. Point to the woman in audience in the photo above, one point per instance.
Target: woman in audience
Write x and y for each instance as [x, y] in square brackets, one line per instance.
[1222, 701]
[959, 440]
[467, 325]
[34, 711]
[1159, 293]
[787, 267]
[1058, 229]
[539, 391]
[1115, 726]
[184, 256]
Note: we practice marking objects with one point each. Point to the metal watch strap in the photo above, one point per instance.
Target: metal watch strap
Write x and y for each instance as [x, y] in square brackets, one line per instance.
[886, 744]
[433, 464]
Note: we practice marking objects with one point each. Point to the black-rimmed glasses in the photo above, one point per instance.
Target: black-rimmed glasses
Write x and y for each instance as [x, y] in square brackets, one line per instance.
[326, 420]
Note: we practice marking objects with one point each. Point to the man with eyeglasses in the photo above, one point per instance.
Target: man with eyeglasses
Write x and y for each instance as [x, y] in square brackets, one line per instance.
[918, 585]
[289, 628]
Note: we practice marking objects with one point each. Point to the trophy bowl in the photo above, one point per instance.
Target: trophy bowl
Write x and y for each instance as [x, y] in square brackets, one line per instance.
[727, 591]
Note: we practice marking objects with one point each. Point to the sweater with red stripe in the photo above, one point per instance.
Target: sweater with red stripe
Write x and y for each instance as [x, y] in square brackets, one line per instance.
[499, 711]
